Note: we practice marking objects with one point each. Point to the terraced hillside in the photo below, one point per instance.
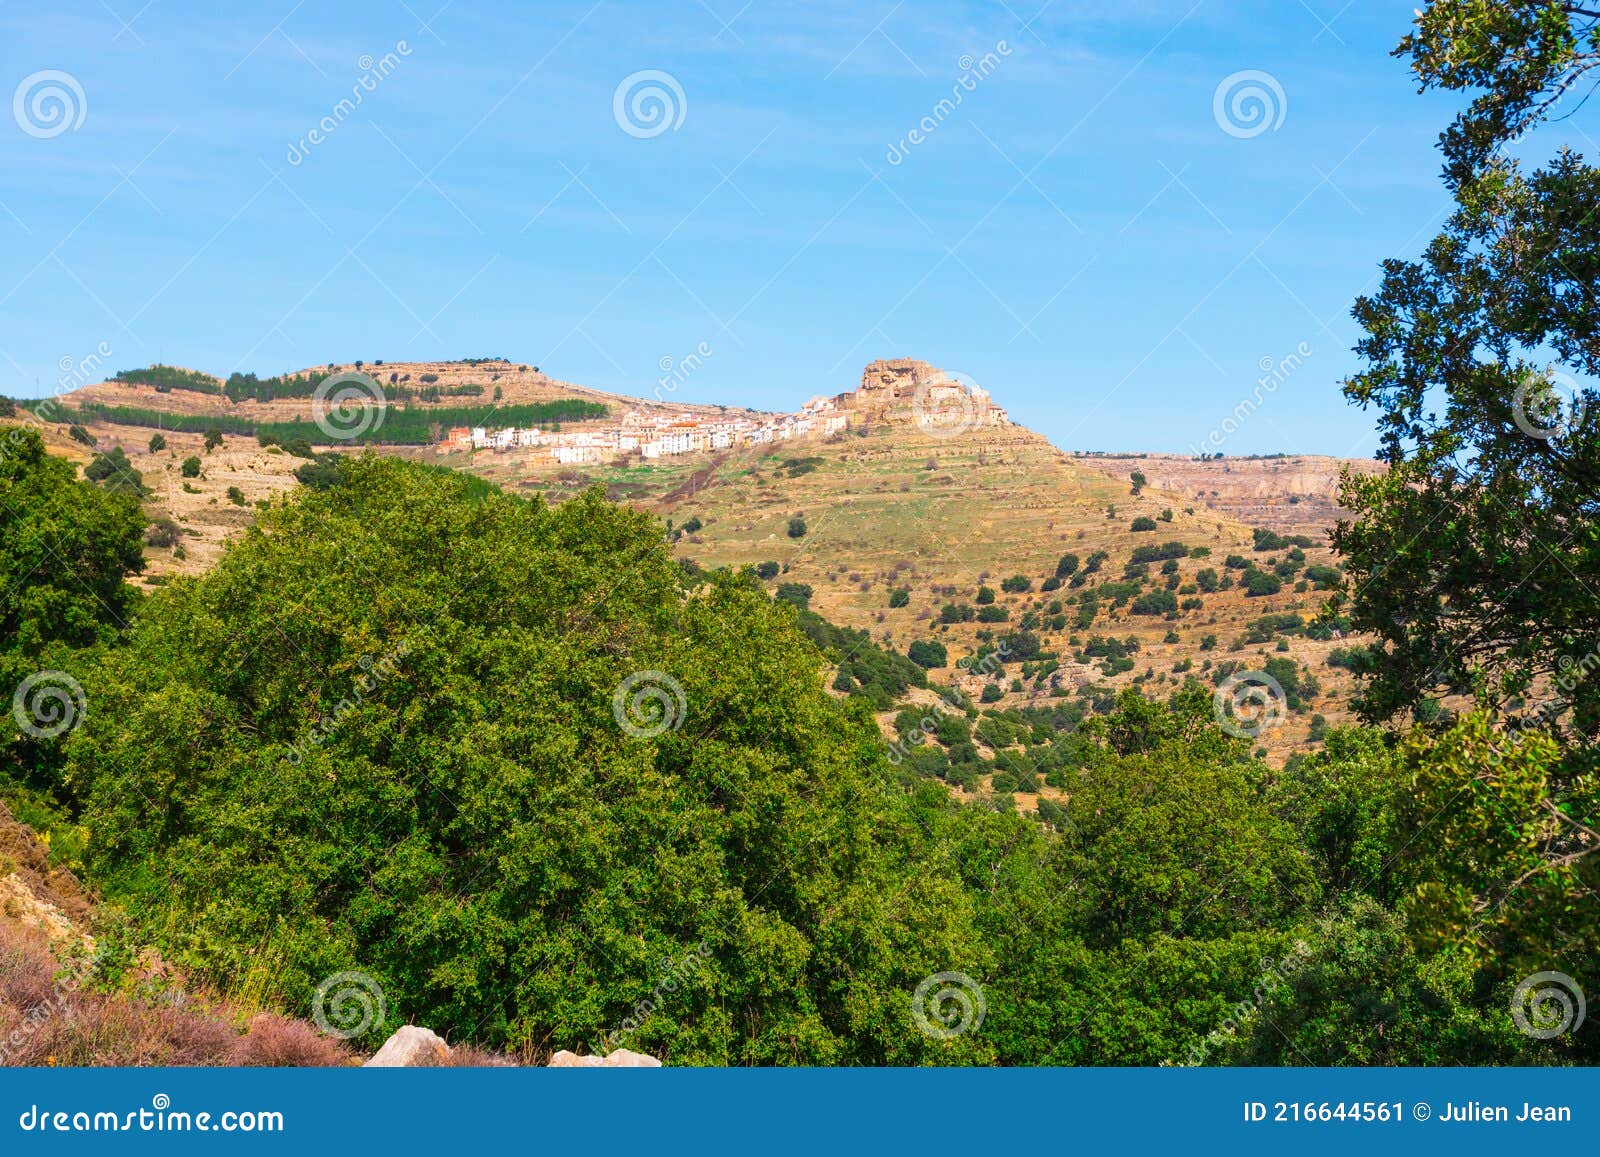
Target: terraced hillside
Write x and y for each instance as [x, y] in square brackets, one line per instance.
[958, 541]
[1026, 578]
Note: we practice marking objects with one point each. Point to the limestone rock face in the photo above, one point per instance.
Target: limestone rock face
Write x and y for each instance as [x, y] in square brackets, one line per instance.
[621, 1059]
[411, 1047]
[896, 390]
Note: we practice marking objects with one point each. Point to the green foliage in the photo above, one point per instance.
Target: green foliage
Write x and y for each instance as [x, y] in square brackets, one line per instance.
[413, 426]
[115, 473]
[797, 527]
[798, 594]
[878, 676]
[767, 570]
[1258, 583]
[928, 653]
[1472, 559]
[1142, 523]
[165, 378]
[899, 597]
[431, 786]
[1155, 603]
[65, 546]
[158, 443]
[191, 467]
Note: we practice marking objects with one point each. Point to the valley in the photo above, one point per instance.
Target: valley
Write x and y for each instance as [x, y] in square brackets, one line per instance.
[896, 518]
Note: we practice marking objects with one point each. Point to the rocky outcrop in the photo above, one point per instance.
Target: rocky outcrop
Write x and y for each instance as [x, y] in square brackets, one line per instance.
[411, 1047]
[905, 390]
[621, 1059]
[415, 1047]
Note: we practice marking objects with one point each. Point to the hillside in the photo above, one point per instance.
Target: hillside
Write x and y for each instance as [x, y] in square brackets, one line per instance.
[890, 500]
[1289, 493]
[941, 517]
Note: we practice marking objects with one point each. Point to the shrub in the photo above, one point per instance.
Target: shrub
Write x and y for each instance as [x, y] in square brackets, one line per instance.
[797, 527]
[1142, 523]
[163, 532]
[1258, 583]
[191, 467]
[767, 570]
[158, 443]
[1016, 584]
[927, 653]
[899, 597]
[985, 596]
[796, 594]
[1155, 603]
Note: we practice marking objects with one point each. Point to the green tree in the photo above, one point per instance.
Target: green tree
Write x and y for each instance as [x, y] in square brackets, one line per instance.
[65, 547]
[1473, 558]
[158, 442]
[391, 739]
[114, 472]
[191, 467]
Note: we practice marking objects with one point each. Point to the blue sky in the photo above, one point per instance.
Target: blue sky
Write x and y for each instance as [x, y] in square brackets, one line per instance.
[1081, 234]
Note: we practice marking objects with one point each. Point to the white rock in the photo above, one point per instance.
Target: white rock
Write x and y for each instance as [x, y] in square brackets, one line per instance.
[411, 1047]
[621, 1059]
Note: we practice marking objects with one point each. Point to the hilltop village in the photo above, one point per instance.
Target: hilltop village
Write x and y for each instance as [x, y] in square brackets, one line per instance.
[900, 390]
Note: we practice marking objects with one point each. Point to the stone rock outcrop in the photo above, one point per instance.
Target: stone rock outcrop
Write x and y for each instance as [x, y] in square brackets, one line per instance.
[411, 1047]
[621, 1059]
[894, 390]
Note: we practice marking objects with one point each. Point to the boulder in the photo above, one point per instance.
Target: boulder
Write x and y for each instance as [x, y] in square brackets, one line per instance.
[411, 1047]
[621, 1059]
